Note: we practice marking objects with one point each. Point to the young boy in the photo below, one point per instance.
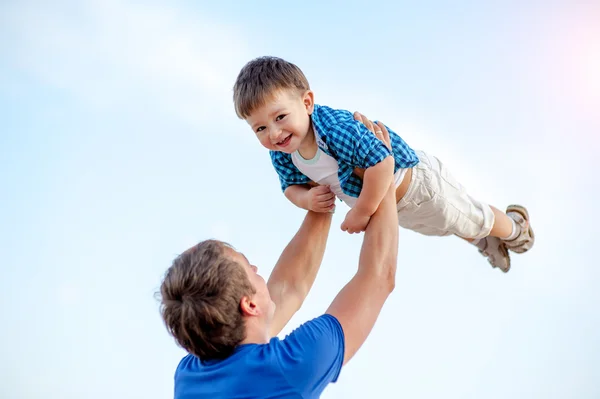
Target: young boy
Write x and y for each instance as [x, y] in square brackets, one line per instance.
[319, 153]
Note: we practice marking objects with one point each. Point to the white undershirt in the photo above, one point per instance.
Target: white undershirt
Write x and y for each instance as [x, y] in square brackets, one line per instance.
[323, 169]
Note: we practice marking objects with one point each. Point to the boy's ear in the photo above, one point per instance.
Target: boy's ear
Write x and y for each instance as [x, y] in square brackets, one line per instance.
[309, 101]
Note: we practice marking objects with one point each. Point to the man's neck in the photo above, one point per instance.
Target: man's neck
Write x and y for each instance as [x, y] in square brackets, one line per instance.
[256, 333]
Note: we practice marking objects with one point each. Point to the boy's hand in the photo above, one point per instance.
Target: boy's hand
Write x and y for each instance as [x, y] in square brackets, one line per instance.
[321, 199]
[355, 221]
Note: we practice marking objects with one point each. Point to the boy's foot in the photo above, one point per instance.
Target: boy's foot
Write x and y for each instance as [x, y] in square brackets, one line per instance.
[526, 238]
[495, 251]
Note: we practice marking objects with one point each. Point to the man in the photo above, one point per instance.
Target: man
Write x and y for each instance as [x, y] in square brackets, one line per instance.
[227, 317]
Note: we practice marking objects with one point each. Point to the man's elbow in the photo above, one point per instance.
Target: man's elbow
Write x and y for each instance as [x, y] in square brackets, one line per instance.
[385, 279]
[391, 282]
[390, 277]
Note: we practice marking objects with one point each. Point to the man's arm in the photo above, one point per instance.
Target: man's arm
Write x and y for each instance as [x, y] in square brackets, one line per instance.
[296, 270]
[359, 303]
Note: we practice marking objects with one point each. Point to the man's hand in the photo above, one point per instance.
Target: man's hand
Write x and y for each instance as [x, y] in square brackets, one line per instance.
[355, 221]
[321, 199]
[379, 128]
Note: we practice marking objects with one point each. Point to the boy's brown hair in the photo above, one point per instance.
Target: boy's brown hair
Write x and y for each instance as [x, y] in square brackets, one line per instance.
[260, 78]
[200, 300]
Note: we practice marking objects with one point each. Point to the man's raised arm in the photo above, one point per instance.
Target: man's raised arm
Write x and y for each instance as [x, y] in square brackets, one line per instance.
[359, 303]
[296, 270]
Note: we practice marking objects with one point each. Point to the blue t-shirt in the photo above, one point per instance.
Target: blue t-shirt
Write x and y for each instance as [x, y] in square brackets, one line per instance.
[299, 366]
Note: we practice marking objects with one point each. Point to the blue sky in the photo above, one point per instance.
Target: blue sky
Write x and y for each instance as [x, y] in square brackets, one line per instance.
[119, 148]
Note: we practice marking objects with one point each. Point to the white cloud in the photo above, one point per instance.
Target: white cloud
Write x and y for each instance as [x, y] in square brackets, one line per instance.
[111, 54]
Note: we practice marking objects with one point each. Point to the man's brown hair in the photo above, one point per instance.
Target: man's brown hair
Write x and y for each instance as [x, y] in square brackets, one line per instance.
[260, 78]
[200, 300]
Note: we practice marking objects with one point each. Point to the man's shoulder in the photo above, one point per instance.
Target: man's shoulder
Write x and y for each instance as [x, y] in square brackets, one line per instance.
[317, 330]
[184, 363]
[313, 352]
[222, 378]
[306, 360]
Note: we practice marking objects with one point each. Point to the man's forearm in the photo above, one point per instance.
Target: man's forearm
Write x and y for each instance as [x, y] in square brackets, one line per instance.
[379, 251]
[359, 303]
[376, 182]
[296, 270]
[298, 195]
[300, 261]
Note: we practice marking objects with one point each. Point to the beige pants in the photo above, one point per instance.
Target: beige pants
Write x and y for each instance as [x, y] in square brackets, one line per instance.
[435, 204]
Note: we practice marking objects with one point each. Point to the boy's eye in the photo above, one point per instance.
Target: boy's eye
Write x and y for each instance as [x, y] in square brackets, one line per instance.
[260, 129]
[280, 117]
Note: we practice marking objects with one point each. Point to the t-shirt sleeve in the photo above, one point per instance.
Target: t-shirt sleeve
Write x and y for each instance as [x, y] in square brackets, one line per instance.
[287, 171]
[311, 356]
[356, 145]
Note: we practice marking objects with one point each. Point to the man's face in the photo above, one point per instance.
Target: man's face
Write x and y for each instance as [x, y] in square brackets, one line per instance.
[283, 122]
[262, 297]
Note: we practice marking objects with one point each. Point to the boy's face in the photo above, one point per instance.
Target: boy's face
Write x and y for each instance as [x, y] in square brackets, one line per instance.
[283, 122]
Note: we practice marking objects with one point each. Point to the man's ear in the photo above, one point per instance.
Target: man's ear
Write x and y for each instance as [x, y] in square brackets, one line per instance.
[249, 307]
[308, 99]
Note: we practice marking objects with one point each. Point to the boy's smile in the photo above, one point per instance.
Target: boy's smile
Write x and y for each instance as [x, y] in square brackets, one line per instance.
[283, 143]
[283, 122]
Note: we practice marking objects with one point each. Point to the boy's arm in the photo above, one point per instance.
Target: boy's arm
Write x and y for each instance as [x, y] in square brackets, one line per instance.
[317, 199]
[296, 270]
[297, 187]
[376, 182]
[298, 195]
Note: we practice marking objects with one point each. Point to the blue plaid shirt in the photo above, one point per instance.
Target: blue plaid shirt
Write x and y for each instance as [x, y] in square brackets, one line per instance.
[351, 144]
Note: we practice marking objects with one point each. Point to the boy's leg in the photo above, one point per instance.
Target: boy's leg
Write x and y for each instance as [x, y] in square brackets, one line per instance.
[437, 204]
[503, 225]
[494, 250]
[522, 238]
[513, 228]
